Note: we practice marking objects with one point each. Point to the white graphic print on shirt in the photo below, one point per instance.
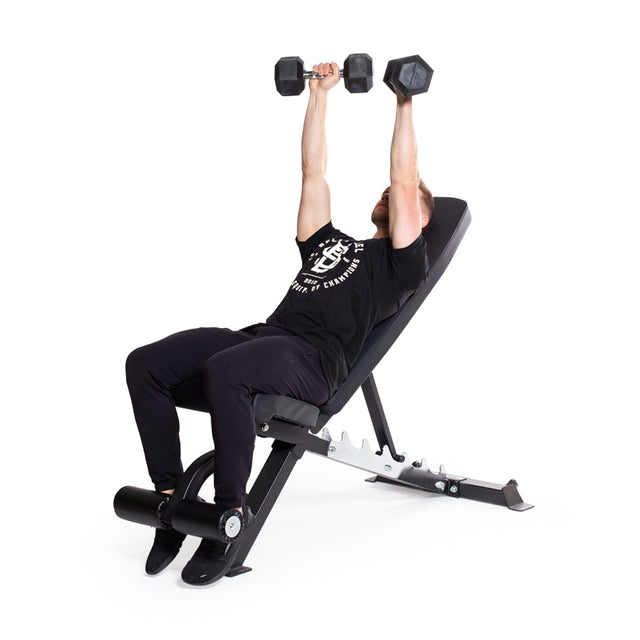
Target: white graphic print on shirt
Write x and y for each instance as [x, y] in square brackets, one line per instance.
[332, 255]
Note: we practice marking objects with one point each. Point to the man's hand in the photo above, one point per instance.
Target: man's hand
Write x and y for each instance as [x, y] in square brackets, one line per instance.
[330, 73]
[401, 99]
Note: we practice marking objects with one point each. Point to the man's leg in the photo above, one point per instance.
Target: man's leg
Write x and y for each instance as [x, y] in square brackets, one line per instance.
[152, 372]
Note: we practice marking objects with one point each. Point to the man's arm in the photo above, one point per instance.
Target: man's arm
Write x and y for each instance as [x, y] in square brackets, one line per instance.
[315, 202]
[405, 213]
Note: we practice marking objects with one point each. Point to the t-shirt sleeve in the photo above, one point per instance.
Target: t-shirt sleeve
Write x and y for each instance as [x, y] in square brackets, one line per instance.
[306, 248]
[409, 264]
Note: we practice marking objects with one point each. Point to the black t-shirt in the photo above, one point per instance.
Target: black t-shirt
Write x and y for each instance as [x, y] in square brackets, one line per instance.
[344, 289]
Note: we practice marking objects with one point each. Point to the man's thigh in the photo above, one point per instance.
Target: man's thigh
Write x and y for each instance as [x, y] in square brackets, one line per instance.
[182, 356]
[284, 365]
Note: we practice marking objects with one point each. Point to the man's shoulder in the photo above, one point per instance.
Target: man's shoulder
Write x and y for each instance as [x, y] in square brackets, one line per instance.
[323, 234]
[332, 235]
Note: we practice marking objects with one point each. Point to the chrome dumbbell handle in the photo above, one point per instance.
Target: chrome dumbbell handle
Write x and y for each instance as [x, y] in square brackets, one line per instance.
[310, 75]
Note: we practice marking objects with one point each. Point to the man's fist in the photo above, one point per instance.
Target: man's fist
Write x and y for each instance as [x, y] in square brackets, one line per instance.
[330, 73]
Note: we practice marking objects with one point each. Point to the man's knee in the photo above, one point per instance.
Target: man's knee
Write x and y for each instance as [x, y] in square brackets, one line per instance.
[138, 363]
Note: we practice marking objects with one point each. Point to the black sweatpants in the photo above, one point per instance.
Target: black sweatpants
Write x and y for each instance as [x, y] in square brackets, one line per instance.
[229, 367]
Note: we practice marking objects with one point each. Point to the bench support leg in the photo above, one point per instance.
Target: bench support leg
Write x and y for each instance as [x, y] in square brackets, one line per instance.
[264, 493]
[378, 419]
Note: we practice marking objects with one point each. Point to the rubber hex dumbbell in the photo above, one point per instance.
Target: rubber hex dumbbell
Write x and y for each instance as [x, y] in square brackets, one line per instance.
[410, 75]
[357, 74]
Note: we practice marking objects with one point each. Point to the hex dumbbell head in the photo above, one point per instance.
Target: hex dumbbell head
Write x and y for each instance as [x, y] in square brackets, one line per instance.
[290, 76]
[388, 73]
[410, 75]
[358, 73]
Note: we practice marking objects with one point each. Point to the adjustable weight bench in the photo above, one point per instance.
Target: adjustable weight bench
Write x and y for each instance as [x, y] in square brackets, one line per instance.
[297, 427]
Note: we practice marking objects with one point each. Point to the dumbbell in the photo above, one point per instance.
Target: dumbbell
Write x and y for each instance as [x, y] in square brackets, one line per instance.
[357, 74]
[410, 75]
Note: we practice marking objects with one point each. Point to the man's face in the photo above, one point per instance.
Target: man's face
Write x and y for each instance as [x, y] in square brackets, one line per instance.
[380, 213]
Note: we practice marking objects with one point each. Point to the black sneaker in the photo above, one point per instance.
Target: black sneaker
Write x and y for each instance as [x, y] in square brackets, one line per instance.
[165, 548]
[214, 559]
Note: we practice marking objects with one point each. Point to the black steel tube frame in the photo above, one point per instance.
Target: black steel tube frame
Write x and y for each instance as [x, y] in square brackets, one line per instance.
[264, 493]
[378, 419]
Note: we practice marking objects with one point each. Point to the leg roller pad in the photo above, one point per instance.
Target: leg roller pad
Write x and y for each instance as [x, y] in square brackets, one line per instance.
[207, 520]
[143, 506]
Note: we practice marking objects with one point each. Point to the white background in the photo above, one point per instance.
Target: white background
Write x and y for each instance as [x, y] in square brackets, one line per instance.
[149, 183]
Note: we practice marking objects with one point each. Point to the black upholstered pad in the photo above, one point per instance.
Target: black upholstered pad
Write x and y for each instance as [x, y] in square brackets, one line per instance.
[450, 222]
[268, 406]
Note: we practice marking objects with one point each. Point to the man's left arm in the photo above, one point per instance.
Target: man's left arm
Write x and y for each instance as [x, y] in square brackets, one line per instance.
[405, 213]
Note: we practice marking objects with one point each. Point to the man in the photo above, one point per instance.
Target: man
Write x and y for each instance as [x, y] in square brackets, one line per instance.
[305, 348]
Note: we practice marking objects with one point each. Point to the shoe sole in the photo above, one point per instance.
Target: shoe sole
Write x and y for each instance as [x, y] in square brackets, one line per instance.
[235, 548]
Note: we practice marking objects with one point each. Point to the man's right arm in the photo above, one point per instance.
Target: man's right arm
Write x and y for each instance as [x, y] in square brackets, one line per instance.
[315, 202]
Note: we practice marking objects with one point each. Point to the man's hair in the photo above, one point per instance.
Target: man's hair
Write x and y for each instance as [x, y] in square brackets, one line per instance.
[427, 198]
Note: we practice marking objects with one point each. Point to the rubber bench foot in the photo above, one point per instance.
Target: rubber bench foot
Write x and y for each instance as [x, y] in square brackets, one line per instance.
[236, 571]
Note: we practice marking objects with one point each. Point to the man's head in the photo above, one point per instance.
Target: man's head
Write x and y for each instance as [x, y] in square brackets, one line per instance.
[380, 213]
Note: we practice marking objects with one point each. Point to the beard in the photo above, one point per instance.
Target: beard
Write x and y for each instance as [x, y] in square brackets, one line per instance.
[380, 216]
